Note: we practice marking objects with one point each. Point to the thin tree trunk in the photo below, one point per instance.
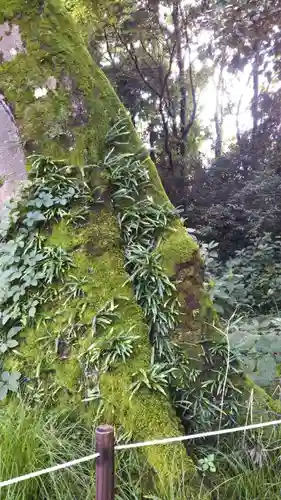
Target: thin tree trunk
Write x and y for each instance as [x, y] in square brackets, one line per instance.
[255, 99]
[219, 115]
[180, 63]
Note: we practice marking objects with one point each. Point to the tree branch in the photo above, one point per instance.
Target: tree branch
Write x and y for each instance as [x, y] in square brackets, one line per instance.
[135, 61]
[194, 103]
[108, 49]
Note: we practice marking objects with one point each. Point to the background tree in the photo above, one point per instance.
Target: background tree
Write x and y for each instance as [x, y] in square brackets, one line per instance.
[150, 59]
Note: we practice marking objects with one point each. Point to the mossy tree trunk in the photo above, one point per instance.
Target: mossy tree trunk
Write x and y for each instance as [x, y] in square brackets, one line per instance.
[63, 107]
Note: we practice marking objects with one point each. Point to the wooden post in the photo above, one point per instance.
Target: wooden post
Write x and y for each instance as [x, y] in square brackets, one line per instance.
[105, 463]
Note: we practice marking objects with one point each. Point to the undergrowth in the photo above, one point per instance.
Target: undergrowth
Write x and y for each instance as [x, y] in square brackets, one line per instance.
[37, 438]
[246, 292]
[248, 467]
[27, 264]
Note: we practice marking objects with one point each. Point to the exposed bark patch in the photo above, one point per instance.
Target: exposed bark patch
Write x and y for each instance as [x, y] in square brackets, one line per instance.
[67, 82]
[79, 111]
[189, 276]
[11, 43]
[12, 160]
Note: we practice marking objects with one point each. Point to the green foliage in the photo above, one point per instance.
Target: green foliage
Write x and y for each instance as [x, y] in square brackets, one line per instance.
[251, 280]
[197, 398]
[27, 264]
[157, 378]
[248, 285]
[33, 439]
[202, 397]
[114, 347]
[7, 341]
[144, 221]
[237, 198]
[153, 288]
[8, 382]
[73, 288]
[133, 477]
[141, 220]
[127, 174]
[105, 316]
[258, 341]
[247, 467]
[207, 463]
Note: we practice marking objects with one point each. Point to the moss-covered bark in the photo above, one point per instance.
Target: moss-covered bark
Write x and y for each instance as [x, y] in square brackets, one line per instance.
[71, 122]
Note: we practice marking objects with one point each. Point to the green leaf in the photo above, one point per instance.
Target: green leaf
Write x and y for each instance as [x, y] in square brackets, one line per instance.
[12, 343]
[32, 312]
[5, 376]
[13, 331]
[3, 391]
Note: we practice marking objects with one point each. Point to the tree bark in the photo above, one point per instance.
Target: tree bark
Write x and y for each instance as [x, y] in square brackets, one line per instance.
[255, 99]
[218, 118]
[182, 84]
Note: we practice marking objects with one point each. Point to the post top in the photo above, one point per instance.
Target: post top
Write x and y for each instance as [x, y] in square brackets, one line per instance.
[104, 429]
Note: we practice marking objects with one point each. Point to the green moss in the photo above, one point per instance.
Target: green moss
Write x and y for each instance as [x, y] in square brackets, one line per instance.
[176, 248]
[59, 56]
[98, 234]
[262, 399]
[120, 409]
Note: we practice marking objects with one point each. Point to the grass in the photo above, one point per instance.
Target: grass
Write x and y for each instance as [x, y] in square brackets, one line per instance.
[247, 469]
[31, 440]
[136, 482]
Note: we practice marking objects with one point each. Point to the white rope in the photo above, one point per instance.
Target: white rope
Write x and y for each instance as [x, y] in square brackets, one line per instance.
[196, 436]
[49, 469]
[139, 445]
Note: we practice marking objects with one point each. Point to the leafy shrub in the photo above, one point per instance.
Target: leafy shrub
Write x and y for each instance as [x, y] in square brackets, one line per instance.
[258, 340]
[238, 196]
[246, 289]
[251, 280]
[27, 264]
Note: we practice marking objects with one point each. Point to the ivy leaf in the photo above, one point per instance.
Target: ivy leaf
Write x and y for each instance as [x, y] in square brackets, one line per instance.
[14, 381]
[3, 391]
[13, 331]
[5, 376]
[33, 217]
[12, 343]
[32, 312]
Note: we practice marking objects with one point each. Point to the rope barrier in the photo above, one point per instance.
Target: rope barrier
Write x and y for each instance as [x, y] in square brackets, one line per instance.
[38, 473]
[195, 436]
[139, 445]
